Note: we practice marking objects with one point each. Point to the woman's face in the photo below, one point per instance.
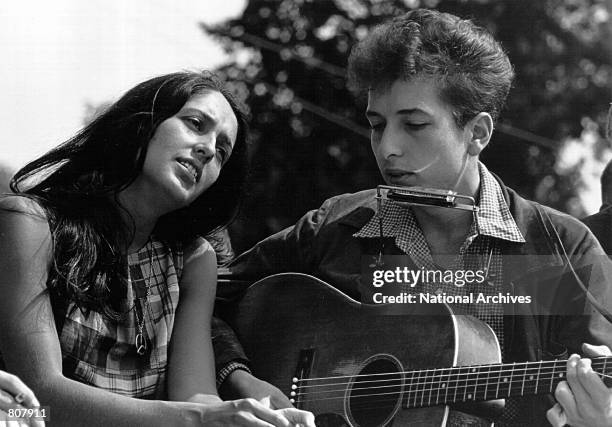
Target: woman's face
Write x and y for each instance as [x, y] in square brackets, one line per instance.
[188, 150]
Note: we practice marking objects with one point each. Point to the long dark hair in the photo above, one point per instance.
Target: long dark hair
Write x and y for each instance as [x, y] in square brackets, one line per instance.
[77, 184]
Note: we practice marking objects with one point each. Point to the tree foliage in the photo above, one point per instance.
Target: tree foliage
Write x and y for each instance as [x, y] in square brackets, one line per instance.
[309, 133]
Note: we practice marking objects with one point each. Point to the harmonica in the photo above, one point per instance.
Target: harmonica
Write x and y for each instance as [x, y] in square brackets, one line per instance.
[427, 197]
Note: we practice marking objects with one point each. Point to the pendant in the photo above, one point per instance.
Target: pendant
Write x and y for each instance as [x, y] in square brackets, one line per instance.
[141, 344]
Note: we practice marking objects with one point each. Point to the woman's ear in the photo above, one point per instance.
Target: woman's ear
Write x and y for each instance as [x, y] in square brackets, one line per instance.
[480, 130]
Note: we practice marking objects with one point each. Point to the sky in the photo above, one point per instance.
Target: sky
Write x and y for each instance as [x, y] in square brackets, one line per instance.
[56, 57]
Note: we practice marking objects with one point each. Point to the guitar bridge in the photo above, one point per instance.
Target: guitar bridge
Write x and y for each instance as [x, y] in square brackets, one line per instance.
[302, 372]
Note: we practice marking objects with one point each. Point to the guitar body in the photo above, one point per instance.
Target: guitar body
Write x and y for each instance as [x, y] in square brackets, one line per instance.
[296, 326]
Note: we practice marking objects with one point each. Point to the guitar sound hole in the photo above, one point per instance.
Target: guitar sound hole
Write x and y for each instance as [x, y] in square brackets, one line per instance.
[376, 393]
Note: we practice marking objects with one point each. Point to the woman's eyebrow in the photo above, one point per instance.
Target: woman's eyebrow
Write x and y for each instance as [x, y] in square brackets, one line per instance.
[194, 110]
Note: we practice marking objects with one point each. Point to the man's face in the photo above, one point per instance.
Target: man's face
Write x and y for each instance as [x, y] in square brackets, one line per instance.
[414, 137]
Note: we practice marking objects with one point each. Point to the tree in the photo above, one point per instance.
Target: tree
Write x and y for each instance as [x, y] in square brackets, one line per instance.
[309, 134]
[6, 172]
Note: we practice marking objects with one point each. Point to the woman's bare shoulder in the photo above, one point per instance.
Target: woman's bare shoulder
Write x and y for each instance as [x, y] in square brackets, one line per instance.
[16, 203]
[22, 216]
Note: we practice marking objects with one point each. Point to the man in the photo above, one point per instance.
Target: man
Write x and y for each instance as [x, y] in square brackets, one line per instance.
[601, 222]
[435, 85]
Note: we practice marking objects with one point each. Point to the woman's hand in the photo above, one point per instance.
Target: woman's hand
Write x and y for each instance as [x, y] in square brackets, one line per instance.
[584, 399]
[251, 412]
[14, 394]
[241, 384]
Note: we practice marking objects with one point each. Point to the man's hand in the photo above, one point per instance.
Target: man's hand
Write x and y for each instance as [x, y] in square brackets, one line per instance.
[240, 384]
[584, 399]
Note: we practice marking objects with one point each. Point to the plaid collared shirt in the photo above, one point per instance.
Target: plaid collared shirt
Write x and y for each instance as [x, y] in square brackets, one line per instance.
[479, 251]
[103, 351]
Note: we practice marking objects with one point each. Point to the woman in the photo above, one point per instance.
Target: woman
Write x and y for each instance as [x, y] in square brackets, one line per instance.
[103, 235]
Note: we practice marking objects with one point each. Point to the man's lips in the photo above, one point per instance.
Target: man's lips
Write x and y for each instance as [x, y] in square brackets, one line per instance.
[399, 176]
[397, 173]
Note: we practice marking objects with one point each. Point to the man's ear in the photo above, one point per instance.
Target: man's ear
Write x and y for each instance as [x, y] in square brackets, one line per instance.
[480, 130]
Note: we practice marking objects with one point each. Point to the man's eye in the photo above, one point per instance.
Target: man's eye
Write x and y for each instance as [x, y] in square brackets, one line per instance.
[415, 126]
[377, 127]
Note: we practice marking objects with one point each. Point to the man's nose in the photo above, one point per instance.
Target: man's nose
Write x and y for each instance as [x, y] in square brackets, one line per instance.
[390, 143]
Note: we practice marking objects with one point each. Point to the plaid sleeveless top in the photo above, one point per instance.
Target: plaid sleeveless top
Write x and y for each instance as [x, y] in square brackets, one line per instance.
[102, 353]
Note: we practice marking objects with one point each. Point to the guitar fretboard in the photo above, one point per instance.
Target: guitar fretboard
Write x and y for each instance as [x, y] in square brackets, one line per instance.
[487, 382]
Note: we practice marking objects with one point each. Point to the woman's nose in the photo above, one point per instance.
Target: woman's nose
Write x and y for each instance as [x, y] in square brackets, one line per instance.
[205, 149]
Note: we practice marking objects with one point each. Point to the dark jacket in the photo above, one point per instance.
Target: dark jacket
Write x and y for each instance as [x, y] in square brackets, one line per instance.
[321, 243]
[601, 226]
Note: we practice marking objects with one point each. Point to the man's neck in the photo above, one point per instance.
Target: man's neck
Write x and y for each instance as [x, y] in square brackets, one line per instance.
[446, 229]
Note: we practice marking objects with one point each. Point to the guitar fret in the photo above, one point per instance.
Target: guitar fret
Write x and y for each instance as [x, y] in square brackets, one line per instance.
[439, 387]
[538, 376]
[523, 382]
[447, 386]
[498, 382]
[465, 380]
[510, 383]
[418, 385]
[424, 384]
[476, 383]
[427, 388]
[456, 384]
[552, 377]
[485, 396]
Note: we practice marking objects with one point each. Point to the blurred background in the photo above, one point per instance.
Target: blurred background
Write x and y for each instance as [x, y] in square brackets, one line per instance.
[287, 59]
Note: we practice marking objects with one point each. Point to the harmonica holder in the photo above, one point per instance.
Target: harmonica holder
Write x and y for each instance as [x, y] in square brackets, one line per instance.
[420, 196]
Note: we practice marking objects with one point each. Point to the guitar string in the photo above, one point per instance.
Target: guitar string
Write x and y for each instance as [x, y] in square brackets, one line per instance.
[410, 394]
[411, 397]
[544, 376]
[414, 395]
[455, 370]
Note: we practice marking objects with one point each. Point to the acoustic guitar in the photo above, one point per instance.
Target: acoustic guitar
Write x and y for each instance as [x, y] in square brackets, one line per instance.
[354, 364]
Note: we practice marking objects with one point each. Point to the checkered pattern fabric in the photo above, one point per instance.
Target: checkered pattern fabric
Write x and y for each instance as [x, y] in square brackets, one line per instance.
[104, 351]
[479, 251]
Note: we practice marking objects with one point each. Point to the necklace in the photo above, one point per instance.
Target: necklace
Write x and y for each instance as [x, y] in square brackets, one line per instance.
[140, 341]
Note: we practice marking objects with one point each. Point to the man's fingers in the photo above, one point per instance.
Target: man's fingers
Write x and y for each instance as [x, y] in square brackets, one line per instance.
[566, 399]
[592, 383]
[596, 350]
[556, 417]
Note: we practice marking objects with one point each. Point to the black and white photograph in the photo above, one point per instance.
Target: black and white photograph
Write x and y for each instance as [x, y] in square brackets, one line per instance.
[327, 213]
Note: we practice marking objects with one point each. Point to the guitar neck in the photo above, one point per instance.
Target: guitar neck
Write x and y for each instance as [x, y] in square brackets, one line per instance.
[487, 382]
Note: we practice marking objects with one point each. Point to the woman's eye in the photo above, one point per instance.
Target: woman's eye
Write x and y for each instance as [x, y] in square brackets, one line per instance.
[194, 122]
[222, 155]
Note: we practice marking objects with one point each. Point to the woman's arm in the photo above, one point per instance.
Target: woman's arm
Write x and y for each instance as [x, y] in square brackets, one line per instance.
[191, 364]
[191, 367]
[29, 342]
